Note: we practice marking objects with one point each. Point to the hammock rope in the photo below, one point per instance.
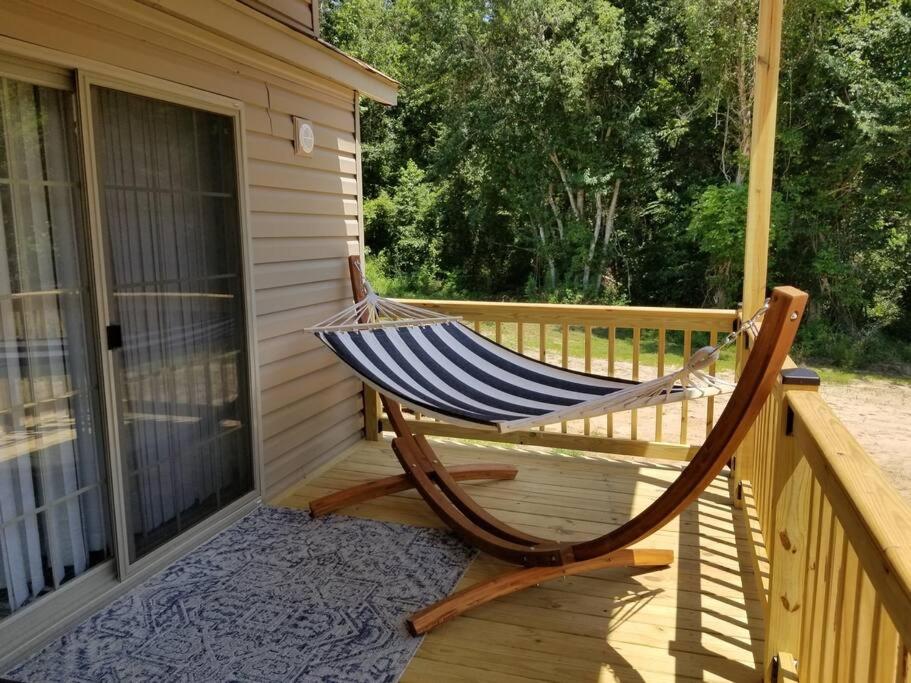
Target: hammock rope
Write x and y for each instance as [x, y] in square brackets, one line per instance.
[432, 363]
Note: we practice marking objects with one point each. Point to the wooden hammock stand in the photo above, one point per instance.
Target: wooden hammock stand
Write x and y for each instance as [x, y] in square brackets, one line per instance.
[542, 559]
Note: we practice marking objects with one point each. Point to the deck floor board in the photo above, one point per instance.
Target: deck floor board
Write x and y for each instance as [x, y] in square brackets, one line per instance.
[699, 619]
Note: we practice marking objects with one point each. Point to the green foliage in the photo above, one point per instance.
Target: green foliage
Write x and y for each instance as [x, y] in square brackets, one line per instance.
[845, 162]
[717, 225]
[871, 350]
[404, 228]
[518, 117]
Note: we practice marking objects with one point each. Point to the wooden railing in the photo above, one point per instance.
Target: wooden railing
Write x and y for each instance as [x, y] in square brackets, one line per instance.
[623, 341]
[832, 545]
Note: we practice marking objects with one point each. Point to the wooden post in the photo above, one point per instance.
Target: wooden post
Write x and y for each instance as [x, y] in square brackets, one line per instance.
[372, 414]
[759, 203]
[762, 155]
[786, 541]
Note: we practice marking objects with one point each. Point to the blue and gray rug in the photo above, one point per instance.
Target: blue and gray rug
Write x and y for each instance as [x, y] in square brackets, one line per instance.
[276, 597]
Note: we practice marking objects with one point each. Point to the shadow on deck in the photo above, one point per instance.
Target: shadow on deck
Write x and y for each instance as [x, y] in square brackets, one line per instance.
[698, 619]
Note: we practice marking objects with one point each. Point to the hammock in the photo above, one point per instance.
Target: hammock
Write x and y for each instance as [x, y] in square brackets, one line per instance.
[433, 364]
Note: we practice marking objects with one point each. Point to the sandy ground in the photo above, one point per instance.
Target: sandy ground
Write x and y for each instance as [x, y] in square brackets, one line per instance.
[877, 412]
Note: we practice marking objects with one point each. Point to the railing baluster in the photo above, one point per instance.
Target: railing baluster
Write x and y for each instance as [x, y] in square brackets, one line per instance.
[498, 332]
[542, 350]
[659, 409]
[520, 338]
[477, 326]
[587, 427]
[834, 602]
[564, 348]
[710, 402]
[888, 653]
[634, 414]
[866, 614]
[372, 414]
[811, 582]
[684, 405]
[820, 593]
[611, 345]
[850, 611]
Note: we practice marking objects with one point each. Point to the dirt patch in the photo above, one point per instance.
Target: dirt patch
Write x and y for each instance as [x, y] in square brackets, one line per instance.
[877, 412]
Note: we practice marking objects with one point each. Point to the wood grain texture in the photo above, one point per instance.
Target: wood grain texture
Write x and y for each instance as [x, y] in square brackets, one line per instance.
[762, 154]
[875, 519]
[698, 619]
[512, 582]
[401, 482]
[577, 314]
[596, 444]
[831, 541]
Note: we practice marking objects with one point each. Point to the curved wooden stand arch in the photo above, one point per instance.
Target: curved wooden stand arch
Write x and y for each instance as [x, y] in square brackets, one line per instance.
[544, 559]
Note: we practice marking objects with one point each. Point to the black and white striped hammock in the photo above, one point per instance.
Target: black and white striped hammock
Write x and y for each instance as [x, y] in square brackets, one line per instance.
[435, 365]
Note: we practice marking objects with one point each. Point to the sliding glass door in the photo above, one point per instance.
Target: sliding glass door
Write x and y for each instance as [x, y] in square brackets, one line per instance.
[167, 179]
[53, 490]
[125, 399]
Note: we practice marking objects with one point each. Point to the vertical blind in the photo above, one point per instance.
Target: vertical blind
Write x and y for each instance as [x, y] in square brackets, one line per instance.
[168, 183]
[53, 502]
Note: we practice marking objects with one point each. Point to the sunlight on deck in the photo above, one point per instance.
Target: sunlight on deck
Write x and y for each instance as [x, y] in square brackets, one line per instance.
[698, 619]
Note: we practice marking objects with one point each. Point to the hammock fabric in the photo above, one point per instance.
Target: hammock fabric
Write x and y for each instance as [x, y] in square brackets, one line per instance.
[435, 365]
[449, 372]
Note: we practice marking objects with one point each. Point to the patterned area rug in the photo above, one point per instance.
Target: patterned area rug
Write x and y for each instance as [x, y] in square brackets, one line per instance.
[276, 597]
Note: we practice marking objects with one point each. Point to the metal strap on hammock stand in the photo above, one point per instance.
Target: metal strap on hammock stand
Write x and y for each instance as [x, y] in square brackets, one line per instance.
[430, 363]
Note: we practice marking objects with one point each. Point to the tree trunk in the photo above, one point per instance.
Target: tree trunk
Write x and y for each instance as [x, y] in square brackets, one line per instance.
[551, 267]
[611, 214]
[596, 233]
[553, 207]
[609, 226]
[569, 193]
[744, 117]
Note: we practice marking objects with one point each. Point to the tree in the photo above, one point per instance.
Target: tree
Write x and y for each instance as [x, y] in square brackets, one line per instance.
[570, 143]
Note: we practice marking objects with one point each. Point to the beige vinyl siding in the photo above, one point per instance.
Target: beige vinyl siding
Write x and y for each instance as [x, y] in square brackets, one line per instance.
[299, 14]
[303, 211]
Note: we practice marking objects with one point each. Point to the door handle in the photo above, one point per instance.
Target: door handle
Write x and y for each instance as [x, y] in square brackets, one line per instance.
[114, 335]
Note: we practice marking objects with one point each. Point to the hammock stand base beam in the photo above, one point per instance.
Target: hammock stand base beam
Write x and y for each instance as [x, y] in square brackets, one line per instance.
[460, 512]
[545, 559]
[511, 582]
[397, 483]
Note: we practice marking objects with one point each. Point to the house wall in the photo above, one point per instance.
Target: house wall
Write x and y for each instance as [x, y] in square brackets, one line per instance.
[303, 211]
[302, 15]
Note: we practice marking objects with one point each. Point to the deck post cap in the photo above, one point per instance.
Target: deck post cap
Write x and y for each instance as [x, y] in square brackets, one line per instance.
[800, 377]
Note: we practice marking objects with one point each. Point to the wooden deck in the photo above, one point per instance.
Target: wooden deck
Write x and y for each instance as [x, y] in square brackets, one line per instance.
[699, 619]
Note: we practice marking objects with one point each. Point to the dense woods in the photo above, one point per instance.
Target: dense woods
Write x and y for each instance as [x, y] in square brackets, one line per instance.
[586, 150]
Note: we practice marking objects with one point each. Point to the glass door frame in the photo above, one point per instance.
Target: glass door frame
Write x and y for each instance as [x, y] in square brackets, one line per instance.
[33, 625]
[182, 95]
